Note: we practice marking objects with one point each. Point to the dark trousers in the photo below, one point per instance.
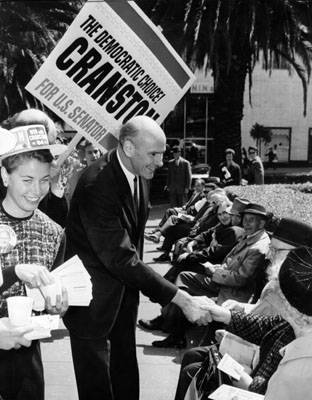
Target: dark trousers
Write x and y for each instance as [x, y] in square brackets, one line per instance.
[106, 368]
[176, 232]
[21, 373]
[168, 213]
[177, 199]
[172, 274]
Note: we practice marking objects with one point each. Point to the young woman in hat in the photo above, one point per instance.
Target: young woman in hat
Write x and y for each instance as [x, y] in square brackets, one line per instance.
[36, 247]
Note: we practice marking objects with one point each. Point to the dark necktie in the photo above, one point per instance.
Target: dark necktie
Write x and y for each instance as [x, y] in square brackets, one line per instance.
[135, 194]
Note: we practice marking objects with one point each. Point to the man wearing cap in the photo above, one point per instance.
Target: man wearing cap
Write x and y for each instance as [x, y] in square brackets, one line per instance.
[229, 171]
[255, 169]
[179, 178]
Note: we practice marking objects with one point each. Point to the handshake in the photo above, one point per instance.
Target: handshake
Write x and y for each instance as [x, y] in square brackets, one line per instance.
[197, 309]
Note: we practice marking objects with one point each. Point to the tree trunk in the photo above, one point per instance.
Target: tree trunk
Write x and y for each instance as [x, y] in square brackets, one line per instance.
[229, 104]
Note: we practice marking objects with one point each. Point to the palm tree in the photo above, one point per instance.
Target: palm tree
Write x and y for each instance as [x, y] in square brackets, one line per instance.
[229, 37]
[29, 31]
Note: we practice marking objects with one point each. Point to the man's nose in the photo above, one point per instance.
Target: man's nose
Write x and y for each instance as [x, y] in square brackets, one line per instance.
[159, 160]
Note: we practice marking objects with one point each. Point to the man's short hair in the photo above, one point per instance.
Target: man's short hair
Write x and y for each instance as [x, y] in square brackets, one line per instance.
[176, 149]
[229, 151]
[252, 148]
[129, 129]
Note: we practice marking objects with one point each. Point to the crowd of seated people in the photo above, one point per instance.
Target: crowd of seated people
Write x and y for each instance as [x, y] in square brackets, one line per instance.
[260, 286]
[259, 282]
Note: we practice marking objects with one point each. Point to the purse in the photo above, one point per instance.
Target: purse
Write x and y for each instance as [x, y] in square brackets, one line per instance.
[208, 378]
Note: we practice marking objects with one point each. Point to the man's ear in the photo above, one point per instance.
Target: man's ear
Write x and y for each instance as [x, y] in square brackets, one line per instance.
[4, 176]
[128, 148]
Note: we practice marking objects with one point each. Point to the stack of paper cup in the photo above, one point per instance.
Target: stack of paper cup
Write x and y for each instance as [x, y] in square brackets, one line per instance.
[19, 310]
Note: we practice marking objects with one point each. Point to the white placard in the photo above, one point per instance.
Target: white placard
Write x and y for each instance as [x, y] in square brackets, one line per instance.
[111, 64]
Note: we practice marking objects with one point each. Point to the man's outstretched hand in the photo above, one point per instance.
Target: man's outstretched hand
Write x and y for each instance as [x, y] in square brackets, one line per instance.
[195, 308]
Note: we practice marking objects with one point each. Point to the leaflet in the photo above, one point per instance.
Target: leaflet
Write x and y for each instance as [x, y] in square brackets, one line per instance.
[71, 275]
[226, 392]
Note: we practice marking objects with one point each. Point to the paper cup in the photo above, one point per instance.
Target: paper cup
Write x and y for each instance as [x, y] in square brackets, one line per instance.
[19, 310]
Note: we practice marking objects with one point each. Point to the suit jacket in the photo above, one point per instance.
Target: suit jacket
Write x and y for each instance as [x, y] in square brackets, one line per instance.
[193, 199]
[226, 237]
[105, 232]
[256, 172]
[237, 273]
[190, 205]
[179, 177]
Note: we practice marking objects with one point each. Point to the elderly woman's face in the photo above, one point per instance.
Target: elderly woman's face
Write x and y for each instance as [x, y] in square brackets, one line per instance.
[26, 186]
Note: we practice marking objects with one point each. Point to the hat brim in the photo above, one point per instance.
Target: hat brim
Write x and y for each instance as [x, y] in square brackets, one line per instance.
[55, 149]
[255, 212]
[235, 212]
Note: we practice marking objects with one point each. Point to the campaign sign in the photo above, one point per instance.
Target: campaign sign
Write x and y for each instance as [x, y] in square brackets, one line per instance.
[111, 64]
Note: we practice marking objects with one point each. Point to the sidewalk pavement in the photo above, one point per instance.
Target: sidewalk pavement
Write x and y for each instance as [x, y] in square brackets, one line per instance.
[159, 368]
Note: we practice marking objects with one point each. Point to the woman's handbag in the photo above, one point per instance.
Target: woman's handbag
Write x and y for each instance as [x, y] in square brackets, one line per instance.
[208, 378]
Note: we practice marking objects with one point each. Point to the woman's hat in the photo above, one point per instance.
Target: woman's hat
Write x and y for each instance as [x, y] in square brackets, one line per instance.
[295, 233]
[239, 205]
[255, 209]
[295, 279]
[27, 138]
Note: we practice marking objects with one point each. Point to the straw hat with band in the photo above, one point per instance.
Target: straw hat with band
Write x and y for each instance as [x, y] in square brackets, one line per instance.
[27, 138]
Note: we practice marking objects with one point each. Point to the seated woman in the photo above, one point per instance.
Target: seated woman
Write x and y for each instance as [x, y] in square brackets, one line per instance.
[36, 240]
[212, 245]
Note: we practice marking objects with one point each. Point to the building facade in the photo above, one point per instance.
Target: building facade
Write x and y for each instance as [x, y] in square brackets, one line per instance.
[276, 103]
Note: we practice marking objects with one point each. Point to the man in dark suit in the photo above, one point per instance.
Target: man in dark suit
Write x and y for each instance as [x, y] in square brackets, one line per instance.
[105, 228]
[179, 178]
[256, 170]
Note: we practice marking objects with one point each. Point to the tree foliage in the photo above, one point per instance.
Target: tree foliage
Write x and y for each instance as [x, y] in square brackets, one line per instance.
[261, 133]
[29, 31]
